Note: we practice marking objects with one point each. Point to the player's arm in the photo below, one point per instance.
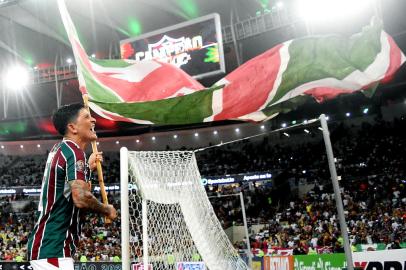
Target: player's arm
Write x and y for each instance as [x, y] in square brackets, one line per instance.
[83, 198]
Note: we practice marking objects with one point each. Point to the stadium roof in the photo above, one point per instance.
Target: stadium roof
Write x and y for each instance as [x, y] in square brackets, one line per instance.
[32, 30]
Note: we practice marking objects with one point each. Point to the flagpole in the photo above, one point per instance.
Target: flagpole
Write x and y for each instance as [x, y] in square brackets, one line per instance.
[337, 194]
[98, 164]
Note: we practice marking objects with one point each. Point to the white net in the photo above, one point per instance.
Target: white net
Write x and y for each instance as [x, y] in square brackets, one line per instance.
[180, 223]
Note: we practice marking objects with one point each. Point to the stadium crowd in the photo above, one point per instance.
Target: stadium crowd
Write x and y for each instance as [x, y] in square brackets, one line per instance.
[370, 162]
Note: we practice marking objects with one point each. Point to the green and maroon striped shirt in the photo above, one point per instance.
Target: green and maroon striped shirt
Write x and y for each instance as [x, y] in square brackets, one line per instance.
[56, 233]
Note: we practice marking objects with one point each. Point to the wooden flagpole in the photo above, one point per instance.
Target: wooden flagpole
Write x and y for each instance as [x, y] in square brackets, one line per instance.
[98, 164]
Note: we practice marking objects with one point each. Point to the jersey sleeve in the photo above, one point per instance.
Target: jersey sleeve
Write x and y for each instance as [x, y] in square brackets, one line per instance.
[76, 165]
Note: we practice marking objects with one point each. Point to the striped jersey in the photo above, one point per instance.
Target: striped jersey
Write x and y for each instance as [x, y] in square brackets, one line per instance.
[56, 232]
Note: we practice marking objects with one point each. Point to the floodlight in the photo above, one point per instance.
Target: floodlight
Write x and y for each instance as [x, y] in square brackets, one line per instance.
[16, 78]
[153, 138]
[331, 10]
[284, 125]
[196, 134]
[69, 61]
[175, 136]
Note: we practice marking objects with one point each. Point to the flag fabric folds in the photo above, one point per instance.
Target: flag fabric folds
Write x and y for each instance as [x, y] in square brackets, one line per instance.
[152, 92]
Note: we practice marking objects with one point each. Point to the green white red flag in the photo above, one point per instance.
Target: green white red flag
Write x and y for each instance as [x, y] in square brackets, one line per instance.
[152, 92]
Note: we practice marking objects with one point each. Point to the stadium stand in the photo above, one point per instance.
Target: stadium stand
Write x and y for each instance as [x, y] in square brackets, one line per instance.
[373, 179]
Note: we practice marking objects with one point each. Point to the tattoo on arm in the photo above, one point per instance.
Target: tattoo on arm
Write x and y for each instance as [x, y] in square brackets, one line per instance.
[83, 198]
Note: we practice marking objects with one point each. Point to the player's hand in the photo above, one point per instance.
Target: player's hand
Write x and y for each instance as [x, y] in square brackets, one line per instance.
[111, 212]
[94, 157]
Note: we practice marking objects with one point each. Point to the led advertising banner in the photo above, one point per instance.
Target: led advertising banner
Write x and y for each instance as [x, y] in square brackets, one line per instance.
[278, 263]
[334, 261]
[190, 266]
[237, 178]
[212, 180]
[194, 46]
[77, 266]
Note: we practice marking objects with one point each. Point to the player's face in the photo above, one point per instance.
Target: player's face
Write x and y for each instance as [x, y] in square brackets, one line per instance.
[84, 125]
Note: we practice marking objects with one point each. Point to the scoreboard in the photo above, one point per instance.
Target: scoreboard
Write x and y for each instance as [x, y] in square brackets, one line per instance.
[195, 46]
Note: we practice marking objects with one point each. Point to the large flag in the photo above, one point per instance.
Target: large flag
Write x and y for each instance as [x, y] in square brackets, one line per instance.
[322, 67]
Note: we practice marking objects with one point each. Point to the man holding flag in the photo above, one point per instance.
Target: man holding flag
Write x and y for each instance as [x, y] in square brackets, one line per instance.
[65, 192]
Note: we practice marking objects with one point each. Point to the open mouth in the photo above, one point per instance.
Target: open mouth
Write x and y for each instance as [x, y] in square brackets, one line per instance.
[92, 129]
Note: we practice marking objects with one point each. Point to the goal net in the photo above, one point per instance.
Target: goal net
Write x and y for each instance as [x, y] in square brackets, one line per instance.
[166, 216]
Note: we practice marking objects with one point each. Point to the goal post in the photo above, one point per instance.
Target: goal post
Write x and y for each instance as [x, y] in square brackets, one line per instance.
[125, 219]
[167, 217]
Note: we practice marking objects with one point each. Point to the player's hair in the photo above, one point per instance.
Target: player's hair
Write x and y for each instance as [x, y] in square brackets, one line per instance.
[65, 115]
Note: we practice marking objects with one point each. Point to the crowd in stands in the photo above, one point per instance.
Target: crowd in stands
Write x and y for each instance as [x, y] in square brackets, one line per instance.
[370, 162]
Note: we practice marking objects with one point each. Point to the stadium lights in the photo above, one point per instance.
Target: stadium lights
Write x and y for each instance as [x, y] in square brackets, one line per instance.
[153, 138]
[284, 125]
[286, 134]
[331, 10]
[21, 146]
[327, 117]
[137, 141]
[304, 171]
[16, 78]
[237, 130]
[69, 61]
[262, 127]
[2, 147]
[196, 134]
[348, 114]
[175, 136]
[215, 132]
[294, 122]
[279, 4]
[365, 111]
[305, 121]
[93, 55]
[97, 143]
[38, 145]
[117, 142]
